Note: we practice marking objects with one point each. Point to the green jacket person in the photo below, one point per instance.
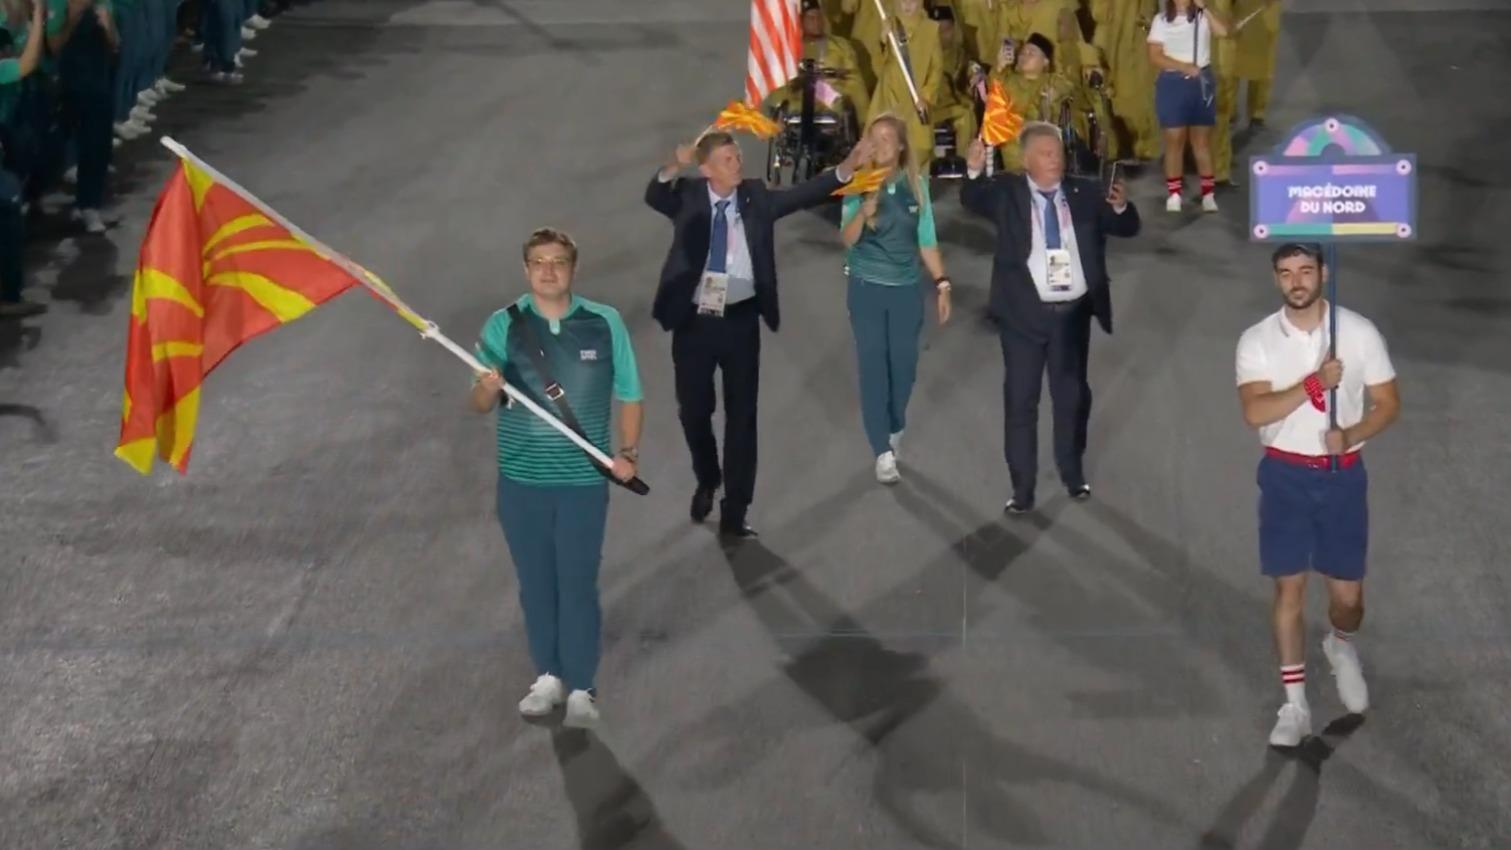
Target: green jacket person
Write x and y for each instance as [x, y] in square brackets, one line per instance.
[552, 501]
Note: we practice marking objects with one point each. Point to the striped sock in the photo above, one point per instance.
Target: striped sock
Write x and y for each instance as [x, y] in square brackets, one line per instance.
[1207, 185]
[1293, 676]
[1173, 185]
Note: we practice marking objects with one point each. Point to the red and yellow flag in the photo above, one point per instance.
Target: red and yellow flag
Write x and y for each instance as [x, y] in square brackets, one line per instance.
[214, 272]
[864, 181]
[739, 116]
[999, 123]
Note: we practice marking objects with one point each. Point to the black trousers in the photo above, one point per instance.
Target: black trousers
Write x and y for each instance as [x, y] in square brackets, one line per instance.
[730, 344]
[1056, 342]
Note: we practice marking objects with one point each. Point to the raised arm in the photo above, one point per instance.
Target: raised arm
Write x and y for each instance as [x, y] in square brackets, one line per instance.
[663, 194]
[979, 193]
[816, 191]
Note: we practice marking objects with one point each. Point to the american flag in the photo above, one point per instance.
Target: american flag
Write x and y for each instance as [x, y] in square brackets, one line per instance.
[776, 45]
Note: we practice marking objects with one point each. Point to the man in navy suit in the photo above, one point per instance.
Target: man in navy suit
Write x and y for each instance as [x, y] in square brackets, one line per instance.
[719, 281]
[1049, 278]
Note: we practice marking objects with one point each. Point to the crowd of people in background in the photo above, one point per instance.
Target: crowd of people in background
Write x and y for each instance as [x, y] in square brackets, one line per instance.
[80, 78]
[1065, 62]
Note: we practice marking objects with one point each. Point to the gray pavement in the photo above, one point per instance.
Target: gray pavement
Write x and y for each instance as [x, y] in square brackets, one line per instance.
[312, 642]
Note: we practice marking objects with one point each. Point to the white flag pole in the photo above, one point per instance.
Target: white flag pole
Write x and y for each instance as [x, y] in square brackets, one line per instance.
[428, 329]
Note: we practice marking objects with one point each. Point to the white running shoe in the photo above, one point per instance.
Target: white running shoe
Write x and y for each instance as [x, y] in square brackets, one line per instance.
[895, 441]
[1291, 727]
[886, 468]
[148, 97]
[142, 115]
[247, 33]
[166, 86]
[1209, 203]
[246, 53]
[582, 711]
[93, 222]
[1347, 673]
[543, 697]
[1172, 204]
[259, 22]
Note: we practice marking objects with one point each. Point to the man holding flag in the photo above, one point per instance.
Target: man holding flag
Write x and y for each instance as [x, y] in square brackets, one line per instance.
[562, 350]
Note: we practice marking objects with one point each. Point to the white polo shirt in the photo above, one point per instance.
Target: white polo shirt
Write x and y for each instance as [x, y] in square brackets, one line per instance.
[1274, 350]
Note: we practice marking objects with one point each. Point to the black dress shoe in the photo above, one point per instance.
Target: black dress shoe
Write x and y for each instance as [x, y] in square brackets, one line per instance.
[1081, 493]
[743, 531]
[703, 504]
[1018, 507]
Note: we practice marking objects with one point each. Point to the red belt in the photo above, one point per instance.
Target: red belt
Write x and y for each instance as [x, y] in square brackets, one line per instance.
[1313, 461]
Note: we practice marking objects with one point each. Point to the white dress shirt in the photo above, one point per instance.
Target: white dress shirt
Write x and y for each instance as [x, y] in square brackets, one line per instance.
[1276, 351]
[1038, 262]
[737, 259]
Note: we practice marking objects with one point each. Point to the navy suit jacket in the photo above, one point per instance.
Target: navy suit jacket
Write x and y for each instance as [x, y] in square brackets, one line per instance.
[1004, 199]
[685, 202]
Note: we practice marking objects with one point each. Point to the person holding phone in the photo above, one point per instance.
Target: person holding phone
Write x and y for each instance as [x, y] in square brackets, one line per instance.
[891, 240]
[1185, 92]
[1049, 279]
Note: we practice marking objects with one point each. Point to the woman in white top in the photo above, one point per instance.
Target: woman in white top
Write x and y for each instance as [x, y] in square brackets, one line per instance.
[1185, 93]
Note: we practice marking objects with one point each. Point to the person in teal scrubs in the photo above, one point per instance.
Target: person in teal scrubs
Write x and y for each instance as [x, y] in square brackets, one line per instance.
[891, 240]
[82, 34]
[13, 69]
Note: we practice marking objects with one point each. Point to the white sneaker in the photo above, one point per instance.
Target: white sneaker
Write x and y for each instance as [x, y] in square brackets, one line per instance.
[582, 711]
[93, 223]
[259, 22]
[148, 98]
[166, 86]
[129, 130]
[1291, 727]
[1172, 204]
[543, 697]
[1347, 673]
[142, 115]
[71, 175]
[895, 441]
[229, 78]
[246, 53]
[247, 33]
[1209, 203]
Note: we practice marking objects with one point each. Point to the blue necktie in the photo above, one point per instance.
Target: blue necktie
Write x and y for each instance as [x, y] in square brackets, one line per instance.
[1051, 222]
[718, 244]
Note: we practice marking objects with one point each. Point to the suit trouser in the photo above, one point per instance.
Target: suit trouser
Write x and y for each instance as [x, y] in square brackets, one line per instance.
[1055, 342]
[555, 536]
[732, 345]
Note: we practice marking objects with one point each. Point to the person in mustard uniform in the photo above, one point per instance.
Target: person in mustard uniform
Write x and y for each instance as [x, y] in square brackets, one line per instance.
[865, 31]
[1121, 29]
[1055, 20]
[892, 95]
[955, 103]
[836, 16]
[1035, 90]
[977, 21]
[828, 51]
[1255, 61]
[1224, 56]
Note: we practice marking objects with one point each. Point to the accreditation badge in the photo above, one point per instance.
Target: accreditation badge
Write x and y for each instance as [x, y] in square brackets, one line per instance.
[1057, 269]
[713, 293]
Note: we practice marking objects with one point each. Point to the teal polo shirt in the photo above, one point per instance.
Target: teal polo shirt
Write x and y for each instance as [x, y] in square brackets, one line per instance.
[888, 255]
[588, 351]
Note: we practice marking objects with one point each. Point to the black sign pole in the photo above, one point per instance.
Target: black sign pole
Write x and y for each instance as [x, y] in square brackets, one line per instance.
[1330, 262]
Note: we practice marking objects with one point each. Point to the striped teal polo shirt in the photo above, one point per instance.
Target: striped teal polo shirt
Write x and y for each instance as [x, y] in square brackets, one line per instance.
[588, 351]
[888, 255]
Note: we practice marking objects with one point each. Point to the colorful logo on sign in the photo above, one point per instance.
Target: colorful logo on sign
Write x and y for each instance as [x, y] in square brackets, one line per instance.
[1333, 180]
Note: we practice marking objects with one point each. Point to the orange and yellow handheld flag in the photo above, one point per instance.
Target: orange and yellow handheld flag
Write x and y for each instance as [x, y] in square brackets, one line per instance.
[214, 271]
[865, 180]
[999, 123]
[739, 116]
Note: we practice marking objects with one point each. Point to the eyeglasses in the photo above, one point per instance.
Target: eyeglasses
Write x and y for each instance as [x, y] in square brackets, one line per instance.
[543, 263]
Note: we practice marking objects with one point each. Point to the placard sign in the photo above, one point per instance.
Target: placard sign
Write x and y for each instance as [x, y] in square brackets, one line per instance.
[1333, 180]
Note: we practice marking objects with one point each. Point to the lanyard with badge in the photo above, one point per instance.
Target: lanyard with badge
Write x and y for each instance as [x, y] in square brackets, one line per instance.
[714, 292]
[1057, 268]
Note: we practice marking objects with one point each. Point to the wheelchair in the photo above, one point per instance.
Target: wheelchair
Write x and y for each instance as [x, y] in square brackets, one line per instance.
[810, 139]
[949, 157]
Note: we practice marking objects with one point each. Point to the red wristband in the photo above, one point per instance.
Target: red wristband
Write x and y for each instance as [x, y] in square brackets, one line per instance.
[1315, 392]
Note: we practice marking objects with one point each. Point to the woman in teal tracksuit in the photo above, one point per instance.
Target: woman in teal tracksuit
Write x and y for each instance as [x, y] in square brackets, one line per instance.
[890, 234]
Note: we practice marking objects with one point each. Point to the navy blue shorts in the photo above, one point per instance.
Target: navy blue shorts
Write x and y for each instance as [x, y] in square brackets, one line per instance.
[1180, 101]
[1313, 519]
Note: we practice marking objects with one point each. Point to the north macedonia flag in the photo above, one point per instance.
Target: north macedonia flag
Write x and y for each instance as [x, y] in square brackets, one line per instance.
[214, 272]
[999, 123]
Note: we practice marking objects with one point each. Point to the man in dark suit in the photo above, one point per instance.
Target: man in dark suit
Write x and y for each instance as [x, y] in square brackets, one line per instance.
[1049, 278]
[718, 283]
